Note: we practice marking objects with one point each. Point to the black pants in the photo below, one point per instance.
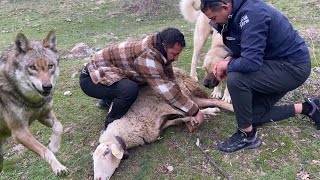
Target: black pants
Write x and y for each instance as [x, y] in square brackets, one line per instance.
[255, 94]
[122, 93]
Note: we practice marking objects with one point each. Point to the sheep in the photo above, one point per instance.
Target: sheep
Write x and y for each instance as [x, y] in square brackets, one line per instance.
[145, 120]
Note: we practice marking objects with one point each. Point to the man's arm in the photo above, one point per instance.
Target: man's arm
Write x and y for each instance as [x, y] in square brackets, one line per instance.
[253, 41]
[153, 72]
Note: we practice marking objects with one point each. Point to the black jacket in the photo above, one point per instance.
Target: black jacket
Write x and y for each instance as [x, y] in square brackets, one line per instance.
[257, 32]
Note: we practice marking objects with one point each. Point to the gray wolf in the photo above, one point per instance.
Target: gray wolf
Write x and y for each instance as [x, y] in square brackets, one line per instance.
[190, 9]
[28, 73]
[137, 127]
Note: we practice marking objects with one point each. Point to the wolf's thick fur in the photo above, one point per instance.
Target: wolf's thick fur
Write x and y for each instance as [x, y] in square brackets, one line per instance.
[28, 74]
[145, 120]
[190, 9]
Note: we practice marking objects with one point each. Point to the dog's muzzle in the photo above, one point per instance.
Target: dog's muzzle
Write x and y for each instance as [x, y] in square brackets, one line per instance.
[210, 83]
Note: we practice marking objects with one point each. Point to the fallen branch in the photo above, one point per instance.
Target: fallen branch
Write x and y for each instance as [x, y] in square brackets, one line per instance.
[212, 161]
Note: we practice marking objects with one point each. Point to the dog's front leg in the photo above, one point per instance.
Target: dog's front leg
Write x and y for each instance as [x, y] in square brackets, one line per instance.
[23, 136]
[217, 91]
[51, 121]
[226, 96]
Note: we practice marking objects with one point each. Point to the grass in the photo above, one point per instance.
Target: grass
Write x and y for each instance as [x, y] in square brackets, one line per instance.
[289, 147]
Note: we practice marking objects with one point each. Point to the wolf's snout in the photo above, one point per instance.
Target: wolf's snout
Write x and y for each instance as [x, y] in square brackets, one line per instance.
[47, 87]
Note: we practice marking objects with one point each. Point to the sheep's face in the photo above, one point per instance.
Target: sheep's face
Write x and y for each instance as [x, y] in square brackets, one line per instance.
[106, 158]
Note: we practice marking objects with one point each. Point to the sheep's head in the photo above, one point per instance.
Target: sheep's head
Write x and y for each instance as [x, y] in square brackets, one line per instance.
[106, 158]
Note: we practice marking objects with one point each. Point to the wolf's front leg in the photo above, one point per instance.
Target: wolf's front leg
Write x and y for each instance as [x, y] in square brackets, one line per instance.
[51, 121]
[23, 136]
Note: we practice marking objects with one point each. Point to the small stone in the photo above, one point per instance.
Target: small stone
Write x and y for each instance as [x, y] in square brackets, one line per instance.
[170, 168]
[67, 93]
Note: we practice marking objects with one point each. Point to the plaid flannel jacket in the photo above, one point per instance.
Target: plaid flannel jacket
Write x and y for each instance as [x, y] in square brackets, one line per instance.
[141, 62]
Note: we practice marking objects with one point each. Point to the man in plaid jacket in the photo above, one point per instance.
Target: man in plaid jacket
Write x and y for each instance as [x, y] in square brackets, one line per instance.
[115, 73]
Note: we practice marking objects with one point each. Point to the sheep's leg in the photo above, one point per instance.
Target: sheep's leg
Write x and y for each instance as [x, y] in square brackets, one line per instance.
[175, 122]
[204, 102]
[210, 111]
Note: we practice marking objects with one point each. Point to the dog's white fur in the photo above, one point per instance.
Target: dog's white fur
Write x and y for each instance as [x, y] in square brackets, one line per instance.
[190, 9]
[144, 121]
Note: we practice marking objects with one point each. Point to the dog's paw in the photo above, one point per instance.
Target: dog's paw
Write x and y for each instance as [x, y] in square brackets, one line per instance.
[227, 98]
[216, 93]
[194, 75]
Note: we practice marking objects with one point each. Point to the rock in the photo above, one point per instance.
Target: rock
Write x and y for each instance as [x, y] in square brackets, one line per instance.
[67, 93]
[80, 50]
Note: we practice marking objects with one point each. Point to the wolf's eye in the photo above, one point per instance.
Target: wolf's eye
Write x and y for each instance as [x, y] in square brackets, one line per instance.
[50, 66]
[33, 67]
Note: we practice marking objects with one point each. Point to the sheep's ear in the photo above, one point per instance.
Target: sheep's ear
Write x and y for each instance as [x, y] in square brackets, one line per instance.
[116, 151]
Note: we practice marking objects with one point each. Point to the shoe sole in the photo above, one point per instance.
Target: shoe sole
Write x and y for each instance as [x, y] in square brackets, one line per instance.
[254, 145]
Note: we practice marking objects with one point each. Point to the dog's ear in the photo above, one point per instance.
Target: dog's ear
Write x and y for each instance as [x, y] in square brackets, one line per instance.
[50, 41]
[116, 151]
[22, 44]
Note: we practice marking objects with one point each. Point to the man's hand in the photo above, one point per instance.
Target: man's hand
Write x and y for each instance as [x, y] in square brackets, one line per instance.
[220, 69]
[199, 117]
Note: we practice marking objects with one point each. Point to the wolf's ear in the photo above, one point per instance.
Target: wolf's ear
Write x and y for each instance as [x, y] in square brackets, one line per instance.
[50, 41]
[22, 44]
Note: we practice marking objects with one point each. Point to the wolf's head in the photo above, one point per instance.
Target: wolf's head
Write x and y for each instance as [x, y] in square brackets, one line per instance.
[33, 67]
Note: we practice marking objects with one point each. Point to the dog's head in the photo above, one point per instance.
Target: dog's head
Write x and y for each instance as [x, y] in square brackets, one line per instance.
[216, 53]
[106, 158]
[34, 67]
[210, 80]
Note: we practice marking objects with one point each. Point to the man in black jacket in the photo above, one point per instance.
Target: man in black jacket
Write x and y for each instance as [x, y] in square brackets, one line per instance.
[267, 59]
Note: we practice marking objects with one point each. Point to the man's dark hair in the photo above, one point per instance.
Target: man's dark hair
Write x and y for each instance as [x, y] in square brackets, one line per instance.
[171, 36]
[214, 5]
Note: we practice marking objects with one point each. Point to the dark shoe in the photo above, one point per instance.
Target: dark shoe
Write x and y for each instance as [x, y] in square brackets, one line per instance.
[239, 141]
[314, 114]
[103, 104]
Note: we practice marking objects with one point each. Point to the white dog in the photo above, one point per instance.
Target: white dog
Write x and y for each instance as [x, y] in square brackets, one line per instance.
[190, 9]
